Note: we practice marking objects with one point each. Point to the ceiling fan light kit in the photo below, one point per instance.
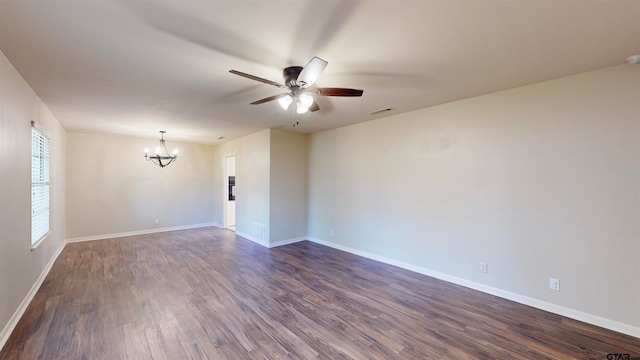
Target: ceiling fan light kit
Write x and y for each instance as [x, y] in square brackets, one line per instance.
[285, 101]
[299, 80]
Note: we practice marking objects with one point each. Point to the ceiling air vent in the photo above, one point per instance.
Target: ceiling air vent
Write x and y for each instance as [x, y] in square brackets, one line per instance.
[377, 112]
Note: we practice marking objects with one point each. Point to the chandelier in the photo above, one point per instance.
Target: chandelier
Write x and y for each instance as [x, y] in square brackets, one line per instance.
[162, 157]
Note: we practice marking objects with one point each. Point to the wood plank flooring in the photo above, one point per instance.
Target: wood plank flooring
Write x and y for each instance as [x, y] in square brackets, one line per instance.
[205, 294]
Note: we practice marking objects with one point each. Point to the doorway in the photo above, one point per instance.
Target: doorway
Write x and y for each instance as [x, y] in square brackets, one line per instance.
[230, 191]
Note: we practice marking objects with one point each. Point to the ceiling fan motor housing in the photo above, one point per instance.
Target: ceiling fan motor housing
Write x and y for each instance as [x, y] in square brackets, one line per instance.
[290, 75]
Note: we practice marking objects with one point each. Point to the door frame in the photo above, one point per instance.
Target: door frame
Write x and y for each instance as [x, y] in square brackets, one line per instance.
[225, 188]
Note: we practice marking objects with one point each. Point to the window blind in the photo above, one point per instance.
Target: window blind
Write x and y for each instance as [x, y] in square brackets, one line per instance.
[39, 186]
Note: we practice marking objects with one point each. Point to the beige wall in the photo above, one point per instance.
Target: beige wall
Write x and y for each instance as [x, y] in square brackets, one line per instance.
[113, 190]
[289, 186]
[20, 267]
[252, 184]
[541, 181]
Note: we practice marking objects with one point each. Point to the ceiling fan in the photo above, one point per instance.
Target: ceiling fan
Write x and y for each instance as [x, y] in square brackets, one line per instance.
[298, 81]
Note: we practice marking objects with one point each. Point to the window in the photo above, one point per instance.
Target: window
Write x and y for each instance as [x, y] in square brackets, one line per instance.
[39, 186]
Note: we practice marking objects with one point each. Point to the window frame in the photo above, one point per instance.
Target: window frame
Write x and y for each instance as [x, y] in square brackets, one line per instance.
[40, 186]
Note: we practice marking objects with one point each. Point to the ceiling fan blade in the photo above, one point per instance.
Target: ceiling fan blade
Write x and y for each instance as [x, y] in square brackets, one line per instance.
[314, 107]
[252, 77]
[311, 72]
[267, 99]
[339, 92]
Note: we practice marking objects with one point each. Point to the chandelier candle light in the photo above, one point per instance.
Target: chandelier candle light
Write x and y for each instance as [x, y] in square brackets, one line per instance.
[162, 157]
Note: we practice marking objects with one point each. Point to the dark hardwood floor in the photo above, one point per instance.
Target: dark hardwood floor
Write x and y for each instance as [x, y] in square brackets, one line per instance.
[205, 294]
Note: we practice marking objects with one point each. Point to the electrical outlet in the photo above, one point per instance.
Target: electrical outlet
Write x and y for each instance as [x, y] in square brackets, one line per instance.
[157, 221]
[554, 284]
[484, 267]
[332, 232]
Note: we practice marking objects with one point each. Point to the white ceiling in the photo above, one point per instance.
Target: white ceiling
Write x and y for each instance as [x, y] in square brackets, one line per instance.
[135, 67]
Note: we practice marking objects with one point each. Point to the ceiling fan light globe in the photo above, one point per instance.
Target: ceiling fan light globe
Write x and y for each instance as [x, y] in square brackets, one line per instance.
[285, 101]
[300, 108]
[306, 100]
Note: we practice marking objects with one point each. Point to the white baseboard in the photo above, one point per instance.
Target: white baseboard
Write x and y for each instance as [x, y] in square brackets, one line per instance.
[253, 238]
[269, 244]
[8, 329]
[219, 226]
[287, 242]
[139, 232]
[543, 305]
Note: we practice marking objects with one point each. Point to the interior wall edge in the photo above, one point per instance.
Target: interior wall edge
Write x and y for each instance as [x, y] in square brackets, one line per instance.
[521, 299]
